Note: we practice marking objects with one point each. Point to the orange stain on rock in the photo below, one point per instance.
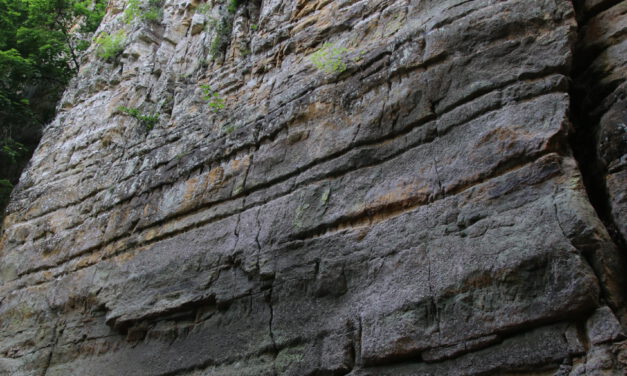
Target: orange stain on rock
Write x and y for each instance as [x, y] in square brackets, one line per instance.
[190, 188]
[239, 164]
[216, 175]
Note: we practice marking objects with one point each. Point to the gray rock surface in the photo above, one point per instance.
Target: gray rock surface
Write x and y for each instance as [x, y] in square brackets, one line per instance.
[421, 212]
[603, 326]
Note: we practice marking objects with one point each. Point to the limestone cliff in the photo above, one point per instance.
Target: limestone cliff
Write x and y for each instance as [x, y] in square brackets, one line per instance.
[445, 197]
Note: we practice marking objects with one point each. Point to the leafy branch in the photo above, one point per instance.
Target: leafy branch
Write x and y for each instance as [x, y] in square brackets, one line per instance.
[148, 121]
[215, 102]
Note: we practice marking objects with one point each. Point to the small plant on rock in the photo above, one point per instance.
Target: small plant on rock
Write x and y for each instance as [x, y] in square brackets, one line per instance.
[215, 102]
[131, 11]
[330, 58]
[228, 129]
[148, 121]
[220, 42]
[152, 14]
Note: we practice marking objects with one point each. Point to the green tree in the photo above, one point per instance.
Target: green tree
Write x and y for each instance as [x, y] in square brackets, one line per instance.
[40, 45]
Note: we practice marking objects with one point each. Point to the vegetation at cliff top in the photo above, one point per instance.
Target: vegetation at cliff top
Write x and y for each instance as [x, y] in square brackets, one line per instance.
[40, 46]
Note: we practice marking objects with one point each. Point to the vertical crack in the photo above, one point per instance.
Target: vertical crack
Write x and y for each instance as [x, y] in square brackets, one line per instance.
[437, 176]
[257, 240]
[57, 333]
[352, 143]
[250, 166]
[275, 350]
[583, 144]
[356, 343]
[433, 302]
[583, 140]
[236, 232]
[586, 121]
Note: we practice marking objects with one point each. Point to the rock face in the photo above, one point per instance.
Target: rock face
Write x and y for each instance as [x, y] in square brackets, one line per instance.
[447, 197]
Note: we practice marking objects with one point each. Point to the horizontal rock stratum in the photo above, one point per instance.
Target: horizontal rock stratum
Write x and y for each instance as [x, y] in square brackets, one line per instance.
[349, 187]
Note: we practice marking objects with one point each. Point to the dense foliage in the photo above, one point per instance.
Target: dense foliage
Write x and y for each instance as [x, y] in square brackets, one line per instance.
[40, 45]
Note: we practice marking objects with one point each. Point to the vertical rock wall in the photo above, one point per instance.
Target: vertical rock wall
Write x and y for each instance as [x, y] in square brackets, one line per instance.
[450, 204]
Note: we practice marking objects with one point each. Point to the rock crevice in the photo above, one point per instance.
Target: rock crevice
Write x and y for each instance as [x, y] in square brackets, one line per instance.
[599, 140]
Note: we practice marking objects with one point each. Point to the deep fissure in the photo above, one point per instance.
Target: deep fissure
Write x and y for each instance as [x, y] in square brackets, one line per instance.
[583, 138]
[585, 118]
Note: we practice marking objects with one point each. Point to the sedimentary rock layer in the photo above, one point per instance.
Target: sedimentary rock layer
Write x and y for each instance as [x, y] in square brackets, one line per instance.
[429, 210]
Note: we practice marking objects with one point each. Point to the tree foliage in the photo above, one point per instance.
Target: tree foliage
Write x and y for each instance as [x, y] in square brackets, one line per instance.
[40, 45]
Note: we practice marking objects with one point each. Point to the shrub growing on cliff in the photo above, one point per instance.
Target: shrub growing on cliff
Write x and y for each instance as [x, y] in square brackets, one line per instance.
[153, 14]
[215, 102]
[111, 45]
[151, 11]
[330, 58]
[220, 41]
[131, 11]
[148, 121]
[222, 27]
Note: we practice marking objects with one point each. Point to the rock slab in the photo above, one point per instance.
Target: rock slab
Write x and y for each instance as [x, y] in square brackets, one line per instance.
[420, 208]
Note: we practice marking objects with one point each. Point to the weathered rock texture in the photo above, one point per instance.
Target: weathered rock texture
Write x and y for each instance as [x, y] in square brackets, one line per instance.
[421, 213]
